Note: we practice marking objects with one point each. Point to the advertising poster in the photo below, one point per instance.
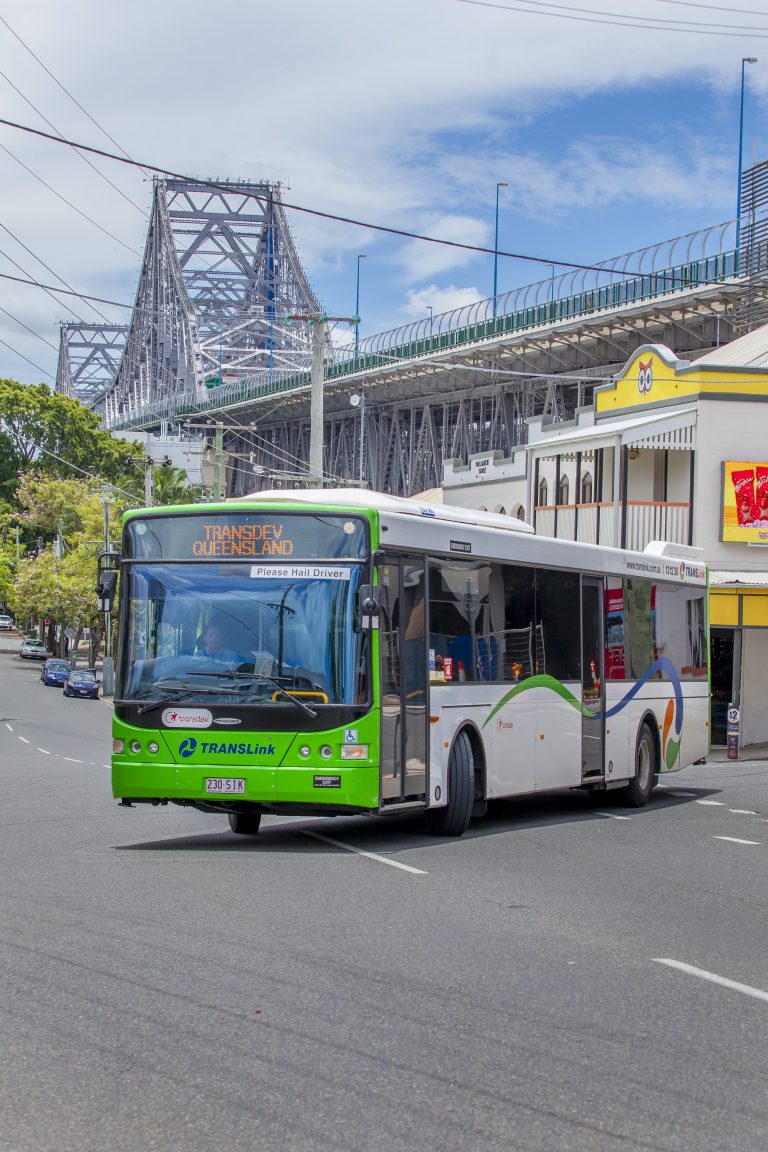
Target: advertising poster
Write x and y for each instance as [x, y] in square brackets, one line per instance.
[614, 634]
[745, 502]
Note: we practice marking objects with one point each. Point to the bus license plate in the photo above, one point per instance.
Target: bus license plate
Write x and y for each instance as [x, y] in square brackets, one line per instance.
[224, 785]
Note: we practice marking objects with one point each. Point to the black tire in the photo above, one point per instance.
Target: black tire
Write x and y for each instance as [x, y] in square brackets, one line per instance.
[638, 791]
[244, 823]
[453, 819]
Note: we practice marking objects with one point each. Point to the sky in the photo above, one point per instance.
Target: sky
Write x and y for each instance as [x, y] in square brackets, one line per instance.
[404, 113]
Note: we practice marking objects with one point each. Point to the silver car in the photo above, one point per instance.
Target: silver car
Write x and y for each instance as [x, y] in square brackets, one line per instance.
[33, 650]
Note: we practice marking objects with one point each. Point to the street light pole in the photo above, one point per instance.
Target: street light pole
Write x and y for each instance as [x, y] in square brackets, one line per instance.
[744, 61]
[501, 184]
[361, 256]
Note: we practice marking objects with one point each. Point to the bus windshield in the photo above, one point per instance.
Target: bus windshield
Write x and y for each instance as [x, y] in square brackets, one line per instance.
[242, 633]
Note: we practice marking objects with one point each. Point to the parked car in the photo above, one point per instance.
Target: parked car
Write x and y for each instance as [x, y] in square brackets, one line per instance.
[5, 623]
[82, 682]
[54, 672]
[33, 650]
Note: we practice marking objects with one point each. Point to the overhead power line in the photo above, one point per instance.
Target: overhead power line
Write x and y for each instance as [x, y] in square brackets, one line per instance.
[84, 159]
[613, 19]
[66, 91]
[31, 331]
[48, 268]
[224, 187]
[23, 357]
[69, 203]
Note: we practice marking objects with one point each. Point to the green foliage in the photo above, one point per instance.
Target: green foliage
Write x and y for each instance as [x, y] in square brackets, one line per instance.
[50, 432]
[44, 438]
[171, 486]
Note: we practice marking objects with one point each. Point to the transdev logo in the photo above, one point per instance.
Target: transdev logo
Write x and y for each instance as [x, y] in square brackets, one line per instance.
[187, 718]
[187, 747]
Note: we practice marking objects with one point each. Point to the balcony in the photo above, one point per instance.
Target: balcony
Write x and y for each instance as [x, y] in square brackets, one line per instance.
[645, 520]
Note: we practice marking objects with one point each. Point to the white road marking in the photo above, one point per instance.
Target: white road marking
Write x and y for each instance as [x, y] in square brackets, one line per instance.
[742, 811]
[9, 728]
[24, 739]
[713, 978]
[370, 855]
[72, 760]
[712, 803]
[612, 816]
[735, 840]
[43, 750]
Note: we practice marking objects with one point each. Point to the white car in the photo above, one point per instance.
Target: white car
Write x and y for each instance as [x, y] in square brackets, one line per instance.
[5, 623]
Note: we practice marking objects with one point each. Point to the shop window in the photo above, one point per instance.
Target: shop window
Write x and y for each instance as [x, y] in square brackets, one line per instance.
[586, 488]
[563, 490]
[543, 494]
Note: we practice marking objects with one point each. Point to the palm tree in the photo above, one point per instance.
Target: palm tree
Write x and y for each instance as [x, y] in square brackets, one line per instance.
[171, 485]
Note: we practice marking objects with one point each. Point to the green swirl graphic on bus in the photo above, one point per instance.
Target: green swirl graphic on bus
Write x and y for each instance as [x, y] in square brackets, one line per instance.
[672, 725]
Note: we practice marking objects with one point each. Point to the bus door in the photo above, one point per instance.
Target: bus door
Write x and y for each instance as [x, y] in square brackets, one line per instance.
[403, 659]
[592, 680]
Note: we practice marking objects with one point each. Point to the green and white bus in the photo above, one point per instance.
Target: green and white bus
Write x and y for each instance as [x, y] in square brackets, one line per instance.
[334, 652]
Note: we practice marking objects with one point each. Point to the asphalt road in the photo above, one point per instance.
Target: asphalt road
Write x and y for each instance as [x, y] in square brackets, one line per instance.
[556, 979]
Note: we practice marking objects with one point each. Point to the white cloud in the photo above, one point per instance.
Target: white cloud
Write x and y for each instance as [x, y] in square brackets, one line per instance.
[399, 113]
[445, 299]
[420, 259]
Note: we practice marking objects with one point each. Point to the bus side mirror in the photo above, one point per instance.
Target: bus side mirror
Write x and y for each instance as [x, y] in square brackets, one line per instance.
[106, 589]
[369, 602]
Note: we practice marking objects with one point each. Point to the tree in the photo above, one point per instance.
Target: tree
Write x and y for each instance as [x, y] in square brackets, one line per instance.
[171, 486]
[50, 432]
[62, 589]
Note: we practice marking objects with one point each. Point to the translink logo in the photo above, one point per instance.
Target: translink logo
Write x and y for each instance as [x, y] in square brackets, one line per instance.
[188, 747]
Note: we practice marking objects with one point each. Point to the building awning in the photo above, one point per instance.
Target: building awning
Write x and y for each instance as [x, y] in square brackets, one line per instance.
[671, 428]
[732, 578]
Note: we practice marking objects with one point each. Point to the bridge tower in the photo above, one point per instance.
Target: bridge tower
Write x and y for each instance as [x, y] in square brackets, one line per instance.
[220, 276]
[89, 356]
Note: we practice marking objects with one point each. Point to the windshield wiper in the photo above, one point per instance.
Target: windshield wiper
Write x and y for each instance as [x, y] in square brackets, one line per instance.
[183, 692]
[253, 676]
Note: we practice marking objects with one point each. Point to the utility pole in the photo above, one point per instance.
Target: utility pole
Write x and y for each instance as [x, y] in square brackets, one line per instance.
[218, 457]
[148, 481]
[319, 322]
[108, 666]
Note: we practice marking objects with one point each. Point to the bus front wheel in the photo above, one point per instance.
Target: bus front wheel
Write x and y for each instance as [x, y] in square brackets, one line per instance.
[638, 790]
[453, 819]
[244, 823]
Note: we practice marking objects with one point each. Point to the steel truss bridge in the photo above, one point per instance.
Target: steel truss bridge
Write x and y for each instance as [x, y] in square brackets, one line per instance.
[212, 339]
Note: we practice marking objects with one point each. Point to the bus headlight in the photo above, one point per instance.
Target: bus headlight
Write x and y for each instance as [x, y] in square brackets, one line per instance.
[354, 751]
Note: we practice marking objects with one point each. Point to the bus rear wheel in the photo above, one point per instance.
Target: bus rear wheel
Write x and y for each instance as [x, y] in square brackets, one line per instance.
[244, 823]
[453, 819]
[638, 790]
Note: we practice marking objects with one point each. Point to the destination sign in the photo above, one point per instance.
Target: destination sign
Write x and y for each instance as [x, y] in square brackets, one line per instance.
[243, 540]
[244, 535]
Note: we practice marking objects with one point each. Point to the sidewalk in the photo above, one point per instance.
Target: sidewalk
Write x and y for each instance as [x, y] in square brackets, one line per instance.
[719, 755]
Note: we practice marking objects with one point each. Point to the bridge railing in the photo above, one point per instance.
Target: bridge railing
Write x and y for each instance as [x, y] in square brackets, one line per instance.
[633, 278]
